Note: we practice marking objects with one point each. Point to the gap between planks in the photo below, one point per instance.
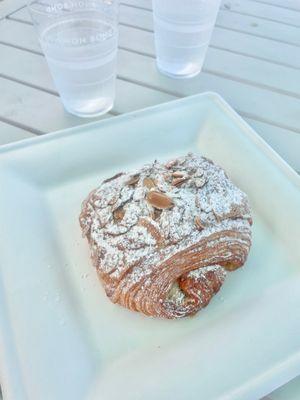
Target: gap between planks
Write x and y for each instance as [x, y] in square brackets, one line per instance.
[227, 8]
[16, 19]
[219, 25]
[207, 70]
[21, 126]
[277, 5]
[133, 6]
[179, 95]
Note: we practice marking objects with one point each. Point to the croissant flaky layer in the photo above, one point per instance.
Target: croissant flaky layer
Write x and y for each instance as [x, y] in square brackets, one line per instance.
[163, 238]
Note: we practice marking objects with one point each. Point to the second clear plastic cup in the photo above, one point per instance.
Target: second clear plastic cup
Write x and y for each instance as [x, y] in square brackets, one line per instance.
[182, 34]
[79, 39]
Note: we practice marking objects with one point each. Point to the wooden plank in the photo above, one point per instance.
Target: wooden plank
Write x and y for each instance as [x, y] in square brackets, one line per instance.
[243, 23]
[147, 4]
[263, 11]
[287, 143]
[10, 133]
[276, 108]
[141, 69]
[33, 70]
[253, 71]
[284, 142]
[241, 43]
[291, 4]
[220, 62]
[8, 6]
[258, 47]
[33, 108]
[36, 73]
[259, 27]
[24, 36]
[284, 54]
[255, 102]
[19, 34]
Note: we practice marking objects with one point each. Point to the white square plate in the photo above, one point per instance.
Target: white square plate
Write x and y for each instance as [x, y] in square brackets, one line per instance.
[61, 338]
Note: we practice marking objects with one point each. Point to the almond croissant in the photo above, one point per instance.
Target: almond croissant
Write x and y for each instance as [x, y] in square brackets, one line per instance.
[163, 238]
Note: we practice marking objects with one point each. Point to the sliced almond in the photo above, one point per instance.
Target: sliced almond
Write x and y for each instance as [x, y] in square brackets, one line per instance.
[200, 182]
[159, 200]
[170, 164]
[119, 214]
[113, 200]
[217, 216]
[133, 180]
[178, 174]
[113, 177]
[199, 173]
[153, 230]
[179, 181]
[199, 224]
[149, 183]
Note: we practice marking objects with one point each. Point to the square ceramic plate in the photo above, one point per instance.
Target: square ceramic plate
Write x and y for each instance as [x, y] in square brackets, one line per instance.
[62, 339]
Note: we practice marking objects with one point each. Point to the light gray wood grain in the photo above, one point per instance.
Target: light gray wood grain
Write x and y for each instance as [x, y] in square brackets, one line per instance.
[33, 108]
[290, 4]
[8, 6]
[233, 32]
[252, 25]
[247, 88]
[226, 64]
[262, 10]
[34, 71]
[10, 133]
[257, 101]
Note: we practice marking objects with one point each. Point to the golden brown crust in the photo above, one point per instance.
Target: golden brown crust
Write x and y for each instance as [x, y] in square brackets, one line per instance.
[163, 247]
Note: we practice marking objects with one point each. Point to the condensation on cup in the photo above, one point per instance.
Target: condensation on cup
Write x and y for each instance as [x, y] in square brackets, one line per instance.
[182, 34]
[80, 39]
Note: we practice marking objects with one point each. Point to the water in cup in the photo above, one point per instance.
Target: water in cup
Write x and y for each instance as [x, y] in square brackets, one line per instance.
[182, 34]
[79, 39]
[81, 54]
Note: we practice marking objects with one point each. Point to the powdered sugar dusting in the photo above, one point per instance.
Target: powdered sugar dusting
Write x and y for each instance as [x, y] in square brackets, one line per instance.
[130, 236]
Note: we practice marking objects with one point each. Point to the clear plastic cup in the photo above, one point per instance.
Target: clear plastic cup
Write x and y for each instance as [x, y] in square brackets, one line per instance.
[79, 39]
[182, 34]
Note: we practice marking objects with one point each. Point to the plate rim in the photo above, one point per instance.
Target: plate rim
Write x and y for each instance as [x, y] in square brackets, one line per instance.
[213, 97]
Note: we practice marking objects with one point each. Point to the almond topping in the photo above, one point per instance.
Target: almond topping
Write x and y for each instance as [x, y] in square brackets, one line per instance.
[149, 183]
[200, 226]
[133, 180]
[153, 230]
[119, 214]
[171, 164]
[178, 174]
[217, 216]
[200, 182]
[179, 181]
[199, 173]
[113, 177]
[159, 200]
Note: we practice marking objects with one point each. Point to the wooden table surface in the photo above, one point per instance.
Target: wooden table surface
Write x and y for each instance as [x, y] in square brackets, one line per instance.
[253, 62]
